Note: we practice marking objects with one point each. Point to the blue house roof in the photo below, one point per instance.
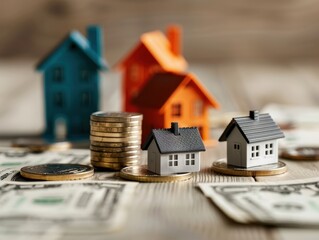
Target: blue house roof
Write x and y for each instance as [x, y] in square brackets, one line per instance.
[81, 42]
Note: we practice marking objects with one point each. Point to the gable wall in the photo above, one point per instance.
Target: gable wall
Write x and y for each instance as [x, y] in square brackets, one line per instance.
[153, 158]
[188, 96]
[72, 90]
[236, 157]
[137, 70]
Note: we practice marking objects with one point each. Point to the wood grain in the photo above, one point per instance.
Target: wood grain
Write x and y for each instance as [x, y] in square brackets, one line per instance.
[179, 210]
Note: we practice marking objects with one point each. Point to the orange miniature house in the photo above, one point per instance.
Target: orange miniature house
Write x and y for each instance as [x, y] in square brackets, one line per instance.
[175, 97]
[154, 53]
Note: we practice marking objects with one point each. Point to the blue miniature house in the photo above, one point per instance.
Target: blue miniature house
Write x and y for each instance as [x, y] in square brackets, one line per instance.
[71, 84]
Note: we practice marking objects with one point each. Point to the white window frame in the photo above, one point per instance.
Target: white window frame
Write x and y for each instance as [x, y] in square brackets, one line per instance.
[173, 160]
[255, 151]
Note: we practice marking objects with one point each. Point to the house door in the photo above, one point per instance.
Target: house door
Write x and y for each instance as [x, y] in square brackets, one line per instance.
[60, 128]
[237, 152]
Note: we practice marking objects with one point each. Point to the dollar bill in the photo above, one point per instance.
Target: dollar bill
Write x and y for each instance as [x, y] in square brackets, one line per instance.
[291, 203]
[62, 208]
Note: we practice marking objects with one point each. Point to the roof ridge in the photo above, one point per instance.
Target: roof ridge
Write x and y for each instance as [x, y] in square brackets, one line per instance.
[168, 129]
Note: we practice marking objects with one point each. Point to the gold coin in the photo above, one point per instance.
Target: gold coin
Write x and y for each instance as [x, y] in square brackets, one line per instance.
[116, 129]
[116, 117]
[39, 145]
[116, 144]
[114, 124]
[116, 135]
[114, 166]
[220, 166]
[141, 174]
[115, 149]
[57, 172]
[113, 154]
[131, 163]
[301, 153]
[116, 139]
[114, 159]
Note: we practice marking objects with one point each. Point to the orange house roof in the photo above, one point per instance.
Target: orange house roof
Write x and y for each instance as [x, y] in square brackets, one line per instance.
[160, 48]
[162, 86]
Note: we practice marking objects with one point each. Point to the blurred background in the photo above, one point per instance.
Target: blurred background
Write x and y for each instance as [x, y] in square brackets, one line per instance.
[248, 53]
[214, 30]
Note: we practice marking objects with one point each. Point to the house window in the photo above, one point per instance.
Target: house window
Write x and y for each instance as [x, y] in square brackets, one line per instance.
[86, 99]
[173, 160]
[198, 108]
[58, 99]
[255, 151]
[190, 159]
[58, 74]
[176, 110]
[84, 75]
[236, 146]
[269, 148]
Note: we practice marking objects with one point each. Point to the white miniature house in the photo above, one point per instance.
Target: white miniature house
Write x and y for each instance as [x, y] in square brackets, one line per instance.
[174, 150]
[252, 140]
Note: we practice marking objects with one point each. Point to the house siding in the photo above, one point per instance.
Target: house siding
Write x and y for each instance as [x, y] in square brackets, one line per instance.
[236, 157]
[243, 157]
[165, 169]
[153, 158]
[262, 159]
[159, 163]
[74, 113]
[188, 118]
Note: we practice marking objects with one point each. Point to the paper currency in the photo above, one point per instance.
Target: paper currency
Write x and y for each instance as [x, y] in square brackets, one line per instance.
[291, 203]
[51, 209]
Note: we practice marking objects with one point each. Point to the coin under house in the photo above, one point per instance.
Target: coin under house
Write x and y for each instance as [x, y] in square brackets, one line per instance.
[141, 174]
[221, 166]
[57, 172]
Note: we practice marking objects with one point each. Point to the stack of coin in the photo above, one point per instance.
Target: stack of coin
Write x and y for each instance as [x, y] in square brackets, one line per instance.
[115, 139]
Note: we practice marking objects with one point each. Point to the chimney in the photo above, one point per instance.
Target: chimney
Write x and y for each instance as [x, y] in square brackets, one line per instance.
[174, 37]
[254, 115]
[95, 38]
[174, 128]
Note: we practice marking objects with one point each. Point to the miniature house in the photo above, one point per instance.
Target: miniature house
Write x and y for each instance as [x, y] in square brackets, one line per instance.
[71, 84]
[155, 52]
[174, 97]
[174, 150]
[252, 140]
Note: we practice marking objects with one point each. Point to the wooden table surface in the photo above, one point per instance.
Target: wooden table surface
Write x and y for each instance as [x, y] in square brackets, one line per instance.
[179, 210]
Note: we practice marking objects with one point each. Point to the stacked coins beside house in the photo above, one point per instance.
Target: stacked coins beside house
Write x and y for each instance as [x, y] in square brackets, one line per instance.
[115, 139]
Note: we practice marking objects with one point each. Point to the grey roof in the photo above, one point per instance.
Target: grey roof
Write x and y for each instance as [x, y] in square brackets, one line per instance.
[252, 130]
[188, 140]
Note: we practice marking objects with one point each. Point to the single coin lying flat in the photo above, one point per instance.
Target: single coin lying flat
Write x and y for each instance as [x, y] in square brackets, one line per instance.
[301, 153]
[141, 174]
[57, 172]
[221, 166]
[39, 145]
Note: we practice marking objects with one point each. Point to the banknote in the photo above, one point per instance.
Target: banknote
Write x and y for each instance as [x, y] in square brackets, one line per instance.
[13, 159]
[288, 203]
[62, 208]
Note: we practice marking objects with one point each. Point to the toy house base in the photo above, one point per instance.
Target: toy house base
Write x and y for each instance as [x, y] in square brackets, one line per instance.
[221, 166]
